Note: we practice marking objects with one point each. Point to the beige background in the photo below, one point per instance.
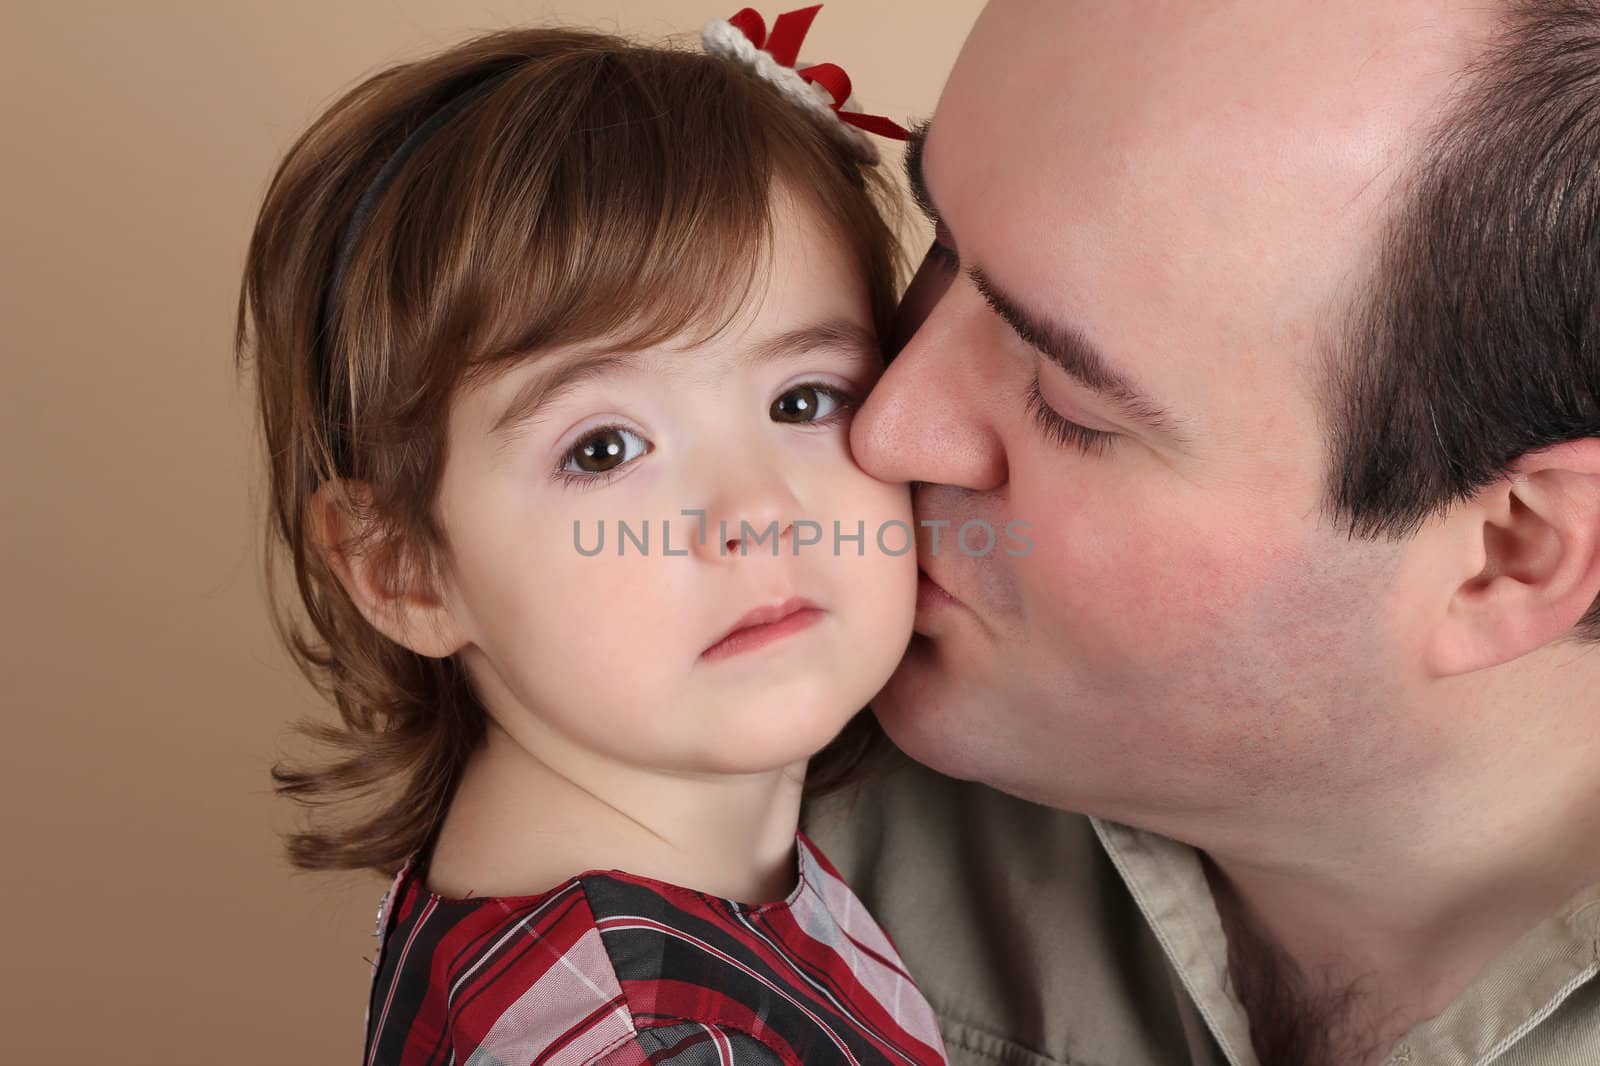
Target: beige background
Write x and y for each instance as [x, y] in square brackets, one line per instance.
[148, 916]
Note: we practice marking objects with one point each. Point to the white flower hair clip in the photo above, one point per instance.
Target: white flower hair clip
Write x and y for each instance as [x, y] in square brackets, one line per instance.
[822, 88]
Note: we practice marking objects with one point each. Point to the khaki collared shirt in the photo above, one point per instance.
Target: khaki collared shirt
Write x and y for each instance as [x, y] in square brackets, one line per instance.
[1044, 938]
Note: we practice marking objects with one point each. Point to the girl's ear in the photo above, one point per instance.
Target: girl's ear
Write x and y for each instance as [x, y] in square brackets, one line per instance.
[380, 575]
[1537, 537]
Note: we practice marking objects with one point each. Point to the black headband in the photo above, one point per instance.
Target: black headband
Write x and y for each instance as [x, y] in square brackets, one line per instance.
[357, 225]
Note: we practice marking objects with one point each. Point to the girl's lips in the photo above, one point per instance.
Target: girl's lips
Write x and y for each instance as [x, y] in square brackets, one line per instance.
[765, 625]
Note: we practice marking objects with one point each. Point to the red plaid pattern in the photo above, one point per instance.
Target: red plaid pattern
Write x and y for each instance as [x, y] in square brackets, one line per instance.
[619, 970]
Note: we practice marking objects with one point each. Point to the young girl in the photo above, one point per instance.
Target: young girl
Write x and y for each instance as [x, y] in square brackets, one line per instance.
[557, 341]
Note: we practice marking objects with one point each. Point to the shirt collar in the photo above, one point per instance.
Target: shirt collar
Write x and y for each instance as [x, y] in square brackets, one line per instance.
[1519, 990]
[1169, 885]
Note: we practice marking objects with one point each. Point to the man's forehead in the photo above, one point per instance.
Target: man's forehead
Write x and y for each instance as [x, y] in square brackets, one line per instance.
[1189, 142]
[1195, 187]
[1254, 80]
[1154, 37]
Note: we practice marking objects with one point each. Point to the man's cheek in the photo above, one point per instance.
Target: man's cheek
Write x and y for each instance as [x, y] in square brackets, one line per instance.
[1156, 586]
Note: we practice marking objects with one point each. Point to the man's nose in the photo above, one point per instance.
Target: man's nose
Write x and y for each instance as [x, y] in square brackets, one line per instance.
[929, 416]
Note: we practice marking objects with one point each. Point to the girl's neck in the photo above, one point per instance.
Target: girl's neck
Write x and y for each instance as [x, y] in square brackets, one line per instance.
[521, 824]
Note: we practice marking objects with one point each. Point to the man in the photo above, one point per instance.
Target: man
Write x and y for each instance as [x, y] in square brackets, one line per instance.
[1279, 324]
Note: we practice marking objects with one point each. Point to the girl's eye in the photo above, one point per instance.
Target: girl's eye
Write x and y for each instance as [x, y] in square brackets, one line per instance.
[810, 403]
[602, 451]
[1063, 432]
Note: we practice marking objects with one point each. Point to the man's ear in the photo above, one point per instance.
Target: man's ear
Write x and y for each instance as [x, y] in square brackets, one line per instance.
[1539, 530]
[381, 577]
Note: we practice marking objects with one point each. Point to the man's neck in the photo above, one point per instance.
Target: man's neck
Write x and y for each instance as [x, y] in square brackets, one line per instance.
[1373, 916]
[1296, 1018]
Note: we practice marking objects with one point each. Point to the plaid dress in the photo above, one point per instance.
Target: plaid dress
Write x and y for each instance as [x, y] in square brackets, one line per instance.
[615, 969]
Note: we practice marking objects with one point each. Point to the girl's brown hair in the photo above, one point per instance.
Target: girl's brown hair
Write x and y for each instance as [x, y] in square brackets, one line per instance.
[594, 190]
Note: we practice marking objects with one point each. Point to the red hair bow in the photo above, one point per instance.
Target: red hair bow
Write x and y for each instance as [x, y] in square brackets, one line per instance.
[783, 45]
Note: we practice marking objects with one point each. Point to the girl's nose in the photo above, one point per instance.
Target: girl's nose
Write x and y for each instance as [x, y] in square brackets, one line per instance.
[752, 510]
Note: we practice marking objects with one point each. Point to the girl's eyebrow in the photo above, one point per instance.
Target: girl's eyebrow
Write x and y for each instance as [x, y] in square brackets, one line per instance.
[539, 391]
[542, 389]
[839, 334]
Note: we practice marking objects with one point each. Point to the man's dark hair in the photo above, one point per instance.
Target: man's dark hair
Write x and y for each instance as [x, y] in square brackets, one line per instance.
[1478, 337]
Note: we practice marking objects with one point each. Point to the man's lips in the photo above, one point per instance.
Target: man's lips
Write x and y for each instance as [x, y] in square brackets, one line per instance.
[764, 625]
[931, 595]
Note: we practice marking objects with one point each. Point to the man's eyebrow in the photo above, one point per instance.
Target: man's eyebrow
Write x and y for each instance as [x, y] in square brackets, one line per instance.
[541, 390]
[916, 148]
[1076, 355]
[1068, 348]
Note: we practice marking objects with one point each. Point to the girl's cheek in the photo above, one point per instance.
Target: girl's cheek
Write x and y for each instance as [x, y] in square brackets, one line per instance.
[876, 502]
